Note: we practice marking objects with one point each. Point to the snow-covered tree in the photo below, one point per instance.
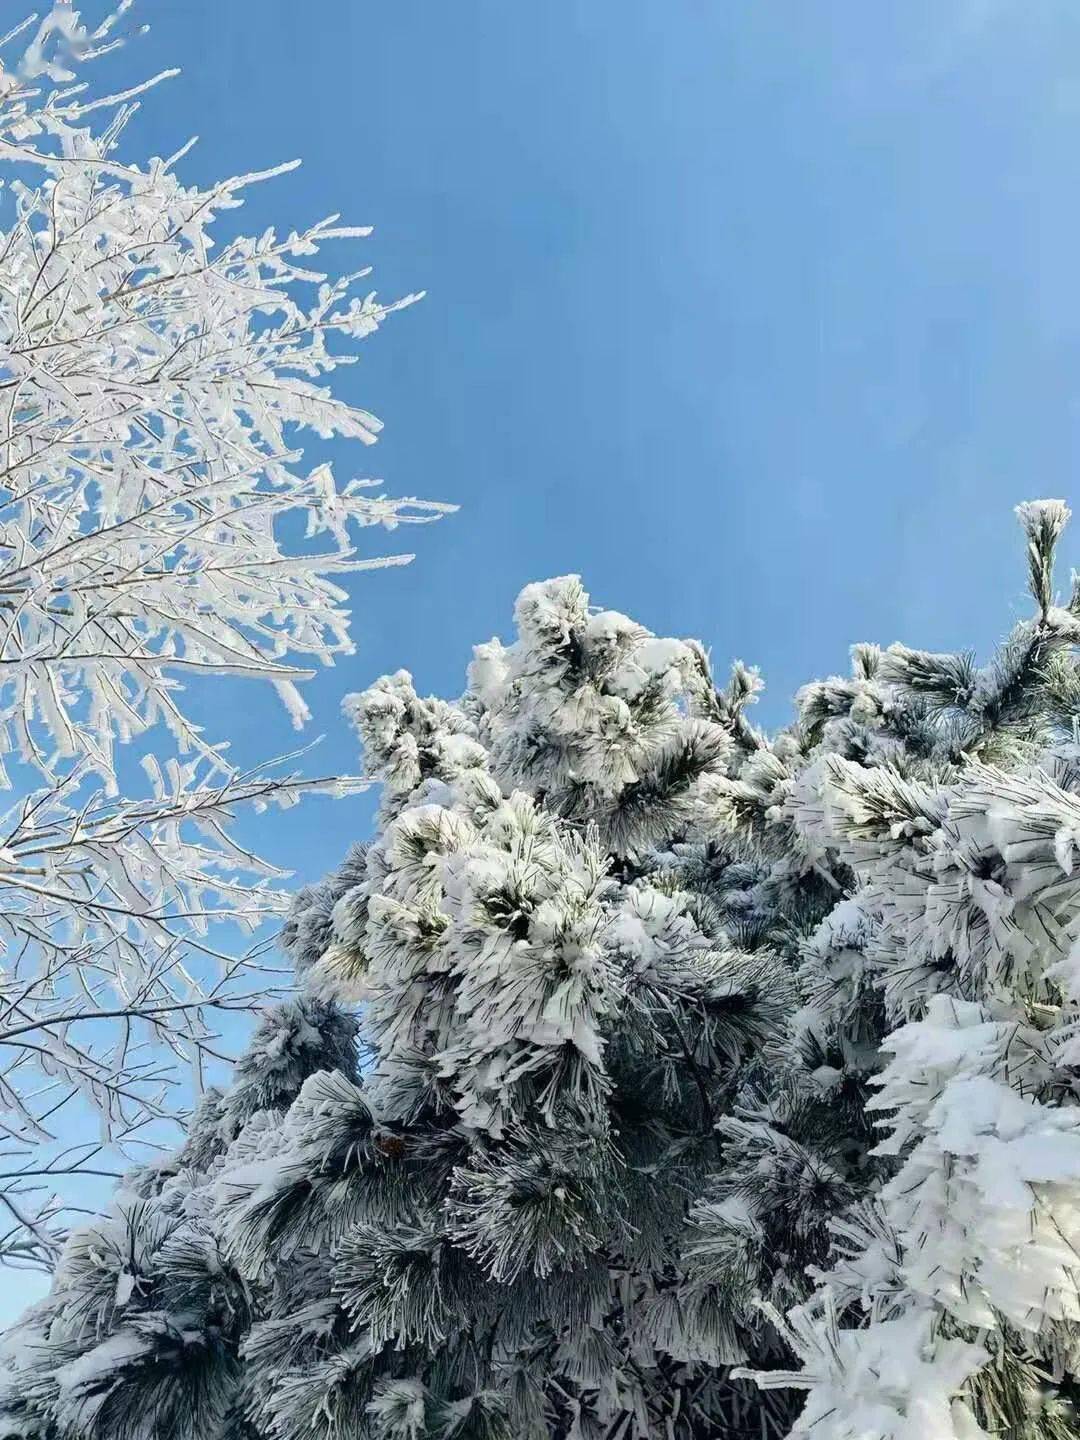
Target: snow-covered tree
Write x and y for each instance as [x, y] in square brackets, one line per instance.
[154, 385]
[648, 1076]
[949, 1301]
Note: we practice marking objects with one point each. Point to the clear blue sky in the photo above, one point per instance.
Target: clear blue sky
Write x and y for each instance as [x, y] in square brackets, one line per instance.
[759, 314]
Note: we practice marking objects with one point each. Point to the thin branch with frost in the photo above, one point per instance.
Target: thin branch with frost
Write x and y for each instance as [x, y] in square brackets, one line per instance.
[153, 387]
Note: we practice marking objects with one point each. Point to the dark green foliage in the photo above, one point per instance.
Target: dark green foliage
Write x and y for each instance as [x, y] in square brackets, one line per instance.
[625, 967]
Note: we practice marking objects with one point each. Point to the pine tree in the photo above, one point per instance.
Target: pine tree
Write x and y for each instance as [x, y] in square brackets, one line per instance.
[647, 1076]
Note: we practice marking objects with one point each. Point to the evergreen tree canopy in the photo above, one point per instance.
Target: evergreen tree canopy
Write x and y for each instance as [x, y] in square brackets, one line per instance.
[647, 1076]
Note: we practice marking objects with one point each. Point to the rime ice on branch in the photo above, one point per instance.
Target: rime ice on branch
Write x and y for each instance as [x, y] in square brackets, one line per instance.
[555, 1010]
[711, 1083]
[154, 387]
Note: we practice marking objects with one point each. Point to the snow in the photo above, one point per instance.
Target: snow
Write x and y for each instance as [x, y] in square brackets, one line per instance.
[687, 1048]
[157, 386]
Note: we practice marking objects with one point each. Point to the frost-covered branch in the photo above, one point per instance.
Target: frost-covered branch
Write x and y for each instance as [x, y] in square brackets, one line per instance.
[155, 382]
[715, 1083]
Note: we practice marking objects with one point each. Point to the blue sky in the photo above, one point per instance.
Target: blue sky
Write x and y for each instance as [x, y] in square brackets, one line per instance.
[759, 314]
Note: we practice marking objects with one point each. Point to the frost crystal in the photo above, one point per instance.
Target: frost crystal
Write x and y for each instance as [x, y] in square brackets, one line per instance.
[155, 381]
